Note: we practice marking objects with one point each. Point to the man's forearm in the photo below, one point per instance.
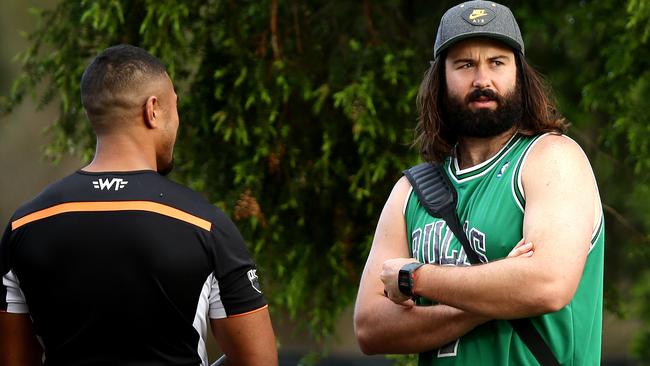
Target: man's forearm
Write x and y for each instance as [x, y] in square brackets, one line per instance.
[510, 288]
[389, 328]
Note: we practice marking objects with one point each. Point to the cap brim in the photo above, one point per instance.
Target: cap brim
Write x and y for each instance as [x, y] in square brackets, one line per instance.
[499, 37]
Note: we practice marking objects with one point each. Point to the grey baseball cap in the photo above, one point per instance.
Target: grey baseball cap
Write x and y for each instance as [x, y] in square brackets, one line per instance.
[478, 19]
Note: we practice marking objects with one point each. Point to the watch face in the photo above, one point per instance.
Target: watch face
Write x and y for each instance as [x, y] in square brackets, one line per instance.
[404, 282]
[405, 278]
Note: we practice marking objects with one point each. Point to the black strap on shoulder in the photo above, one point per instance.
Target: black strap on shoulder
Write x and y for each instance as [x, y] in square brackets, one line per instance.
[438, 197]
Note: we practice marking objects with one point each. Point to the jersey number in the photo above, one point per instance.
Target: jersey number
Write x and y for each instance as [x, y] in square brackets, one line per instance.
[449, 349]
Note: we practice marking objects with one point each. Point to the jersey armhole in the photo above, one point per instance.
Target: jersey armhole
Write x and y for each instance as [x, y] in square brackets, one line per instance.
[598, 231]
[406, 226]
[517, 184]
[406, 202]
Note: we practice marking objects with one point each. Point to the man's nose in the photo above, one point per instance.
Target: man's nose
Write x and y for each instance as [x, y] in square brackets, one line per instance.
[481, 78]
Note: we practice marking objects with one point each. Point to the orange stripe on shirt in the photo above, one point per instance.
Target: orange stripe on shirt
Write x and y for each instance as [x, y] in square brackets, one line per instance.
[112, 206]
[249, 312]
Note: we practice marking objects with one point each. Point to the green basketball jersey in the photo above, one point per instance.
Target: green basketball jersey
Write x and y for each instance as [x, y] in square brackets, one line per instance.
[491, 207]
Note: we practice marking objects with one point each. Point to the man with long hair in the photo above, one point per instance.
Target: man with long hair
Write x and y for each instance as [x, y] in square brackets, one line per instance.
[528, 201]
[117, 265]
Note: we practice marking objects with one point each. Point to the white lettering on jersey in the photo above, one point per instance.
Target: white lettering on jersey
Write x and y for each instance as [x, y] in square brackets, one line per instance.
[102, 184]
[437, 242]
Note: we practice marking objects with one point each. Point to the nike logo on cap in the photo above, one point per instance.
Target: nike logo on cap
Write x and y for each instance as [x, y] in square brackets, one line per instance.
[477, 13]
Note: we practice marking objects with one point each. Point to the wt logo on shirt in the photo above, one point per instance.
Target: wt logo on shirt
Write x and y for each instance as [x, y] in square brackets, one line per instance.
[102, 184]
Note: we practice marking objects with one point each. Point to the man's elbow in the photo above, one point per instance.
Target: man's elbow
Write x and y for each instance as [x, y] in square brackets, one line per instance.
[553, 297]
[364, 334]
[365, 343]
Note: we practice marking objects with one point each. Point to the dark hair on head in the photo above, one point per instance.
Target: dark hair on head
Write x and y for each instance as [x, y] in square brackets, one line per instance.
[436, 140]
[112, 74]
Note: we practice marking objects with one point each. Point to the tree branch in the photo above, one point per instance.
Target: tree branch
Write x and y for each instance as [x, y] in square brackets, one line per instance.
[296, 27]
[371, 28]
[277, 53]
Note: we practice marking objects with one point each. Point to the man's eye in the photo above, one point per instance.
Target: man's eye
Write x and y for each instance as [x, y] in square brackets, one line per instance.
[466, 66]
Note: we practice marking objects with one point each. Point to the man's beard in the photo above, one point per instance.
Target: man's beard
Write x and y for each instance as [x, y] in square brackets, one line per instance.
[483, 122]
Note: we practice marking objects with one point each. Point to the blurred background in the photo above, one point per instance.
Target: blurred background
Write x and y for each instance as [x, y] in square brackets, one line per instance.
[351, 69]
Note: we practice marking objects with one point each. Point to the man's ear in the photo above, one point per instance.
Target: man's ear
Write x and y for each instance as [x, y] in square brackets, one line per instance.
[150, 108]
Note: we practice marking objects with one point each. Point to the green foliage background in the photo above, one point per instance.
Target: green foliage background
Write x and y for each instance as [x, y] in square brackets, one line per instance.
[297, 118]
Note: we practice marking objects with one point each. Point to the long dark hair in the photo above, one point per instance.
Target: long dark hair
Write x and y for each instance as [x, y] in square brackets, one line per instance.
[435, 139]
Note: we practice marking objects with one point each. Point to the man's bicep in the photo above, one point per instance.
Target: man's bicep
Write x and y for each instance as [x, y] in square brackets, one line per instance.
[390, 238]
[389, 242]
[235, 287]
[18, 343]
[247, 339]
[238, 312]
[559, 215]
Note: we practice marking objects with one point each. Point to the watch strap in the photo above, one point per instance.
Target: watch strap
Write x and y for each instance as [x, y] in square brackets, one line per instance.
[405, 278]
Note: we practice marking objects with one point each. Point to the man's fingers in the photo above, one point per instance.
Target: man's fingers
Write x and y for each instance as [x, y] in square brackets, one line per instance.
[520, 243]
[408, 303]
[521, 250]
[396, 296]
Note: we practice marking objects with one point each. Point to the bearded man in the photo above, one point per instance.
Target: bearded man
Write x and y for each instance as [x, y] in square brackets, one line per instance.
[529, 204]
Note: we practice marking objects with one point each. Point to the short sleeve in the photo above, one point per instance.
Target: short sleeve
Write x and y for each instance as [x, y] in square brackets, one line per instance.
[235, 288]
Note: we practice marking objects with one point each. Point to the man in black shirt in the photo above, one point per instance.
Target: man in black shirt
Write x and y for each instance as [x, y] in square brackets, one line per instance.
[117, 265]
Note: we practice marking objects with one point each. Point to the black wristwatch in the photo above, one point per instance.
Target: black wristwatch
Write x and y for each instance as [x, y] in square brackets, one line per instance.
[405, 278]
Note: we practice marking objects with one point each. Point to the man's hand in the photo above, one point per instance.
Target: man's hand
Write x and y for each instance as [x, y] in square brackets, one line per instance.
[521, 250]
[389, 273]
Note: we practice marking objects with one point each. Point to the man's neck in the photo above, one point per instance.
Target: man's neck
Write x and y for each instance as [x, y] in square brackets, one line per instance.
[472, 151]
[121, 153]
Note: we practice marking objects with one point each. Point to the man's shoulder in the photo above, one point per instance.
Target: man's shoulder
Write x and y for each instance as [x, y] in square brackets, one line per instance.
[556, 157]
[51, 194]
[117, 187]
[180, 190]
[557, 147]
[187, 199]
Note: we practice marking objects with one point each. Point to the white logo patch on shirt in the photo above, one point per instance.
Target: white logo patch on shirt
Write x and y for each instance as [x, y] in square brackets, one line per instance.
[107, 184]
[252, 276]
[503, 169]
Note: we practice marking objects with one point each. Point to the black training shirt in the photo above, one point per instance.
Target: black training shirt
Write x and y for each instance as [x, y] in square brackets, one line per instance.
[124, 269]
